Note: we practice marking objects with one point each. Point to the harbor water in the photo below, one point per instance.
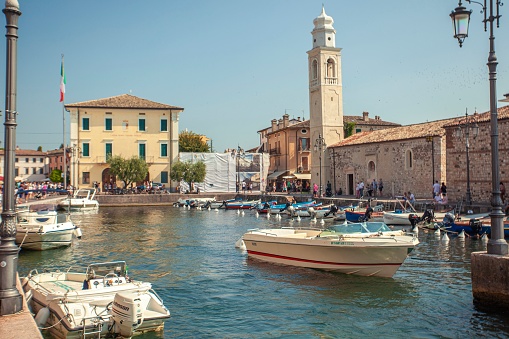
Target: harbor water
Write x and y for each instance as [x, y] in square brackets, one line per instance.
[214, 291]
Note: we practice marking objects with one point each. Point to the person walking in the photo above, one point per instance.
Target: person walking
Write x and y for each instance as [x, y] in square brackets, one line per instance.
[443, 189]
[436, 188]
[374, 185]
[380, 186]
[315, 190]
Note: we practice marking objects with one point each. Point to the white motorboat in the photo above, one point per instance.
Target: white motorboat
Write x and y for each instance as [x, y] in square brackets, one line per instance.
[101, 301]
[400, 217]
[368, 249]
[82, 199]
[42, 227]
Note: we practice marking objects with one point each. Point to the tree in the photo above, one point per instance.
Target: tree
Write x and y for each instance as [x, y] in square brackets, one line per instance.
[349, 126]
[188, 171]
[128, 170]
[56, 176]
[39, 148]
[192, 142]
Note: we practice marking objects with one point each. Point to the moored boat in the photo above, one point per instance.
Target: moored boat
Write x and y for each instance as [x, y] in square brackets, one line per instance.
[82, 199]
[42, 227]
[241, 204]
[101, 301]
[368, 249]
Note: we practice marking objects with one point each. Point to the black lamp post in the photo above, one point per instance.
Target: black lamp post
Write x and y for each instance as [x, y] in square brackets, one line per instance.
[76, 151]
[465, 128]
[238, 153]
[11, 300]
[333, 156]
[320, 147]
[461, 17]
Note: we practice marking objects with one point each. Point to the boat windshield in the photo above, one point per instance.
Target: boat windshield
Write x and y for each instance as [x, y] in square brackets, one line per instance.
[368, 227]
[101, 269]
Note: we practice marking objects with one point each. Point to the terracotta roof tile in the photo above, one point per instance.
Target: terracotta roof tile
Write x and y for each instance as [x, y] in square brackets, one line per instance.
[123, 101]
[359, 120]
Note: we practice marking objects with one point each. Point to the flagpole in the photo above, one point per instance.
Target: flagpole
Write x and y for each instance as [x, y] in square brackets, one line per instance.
[62, 99]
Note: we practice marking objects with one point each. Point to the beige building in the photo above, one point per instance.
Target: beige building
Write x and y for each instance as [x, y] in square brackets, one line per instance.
[123, 125]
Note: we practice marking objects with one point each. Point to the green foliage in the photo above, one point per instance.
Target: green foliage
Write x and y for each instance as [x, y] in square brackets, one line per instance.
[349, 127]
[128, 170]
[192, 142]
[39, 148]
[189, 171]
[56, 176]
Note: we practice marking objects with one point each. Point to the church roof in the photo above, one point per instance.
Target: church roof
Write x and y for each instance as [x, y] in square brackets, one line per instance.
[422, 130]
[123, 101]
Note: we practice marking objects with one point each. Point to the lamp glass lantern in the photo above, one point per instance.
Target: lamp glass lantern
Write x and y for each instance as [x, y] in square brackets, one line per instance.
[460, 21]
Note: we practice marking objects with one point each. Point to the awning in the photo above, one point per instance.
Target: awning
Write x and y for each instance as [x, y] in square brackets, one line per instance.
[276, 175]
[303, 176]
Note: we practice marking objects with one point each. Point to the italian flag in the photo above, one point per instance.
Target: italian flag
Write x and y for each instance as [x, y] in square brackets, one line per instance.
[62, 81]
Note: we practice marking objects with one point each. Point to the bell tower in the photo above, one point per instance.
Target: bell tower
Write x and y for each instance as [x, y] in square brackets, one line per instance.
[325, 95]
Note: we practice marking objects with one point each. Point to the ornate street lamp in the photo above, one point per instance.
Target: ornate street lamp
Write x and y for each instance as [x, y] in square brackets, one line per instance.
[239, 152]
[333, 156]
[320, 147]
[461, 18]
[429, 138]
[10, 299]
[464, 129]
[76, 152]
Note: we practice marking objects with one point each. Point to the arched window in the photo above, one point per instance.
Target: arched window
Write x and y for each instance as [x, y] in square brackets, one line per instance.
[314, 70]
[371, 169]
[331, 68]
[409, 159]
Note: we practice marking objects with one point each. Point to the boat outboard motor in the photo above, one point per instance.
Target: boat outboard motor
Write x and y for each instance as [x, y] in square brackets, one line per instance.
[286, 207]
[414, 219]
[126, 313]
[333, 210]
[291, 209]
[448, 219]
[476, 226]
[428, 216]
[367, 214]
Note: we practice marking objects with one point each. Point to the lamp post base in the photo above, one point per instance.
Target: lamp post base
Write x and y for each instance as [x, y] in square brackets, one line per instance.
[11, 300]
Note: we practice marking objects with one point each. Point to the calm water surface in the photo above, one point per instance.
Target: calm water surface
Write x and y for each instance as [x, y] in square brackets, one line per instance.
[214, 291]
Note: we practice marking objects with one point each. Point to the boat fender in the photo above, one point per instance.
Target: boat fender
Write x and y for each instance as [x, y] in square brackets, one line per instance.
[42, 316]
[77, 232]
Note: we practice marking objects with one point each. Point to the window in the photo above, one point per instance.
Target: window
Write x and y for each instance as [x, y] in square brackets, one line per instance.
[34, 160]
[26, 171]
[86, 149]
[141, 125]
[85, 124]
[34, 170]
[164, 177]
[304, 144]
[108, 124]
[358, 130]
[314, 70]
[40, 170]
[141, 151]
[409, 159]
[41, 160]
[109, 150]
[26, 159]
[331, 69]
[164, 125]
[164, 150]
[16, 172]
[86, 177]
[305, 164]
[16, 160]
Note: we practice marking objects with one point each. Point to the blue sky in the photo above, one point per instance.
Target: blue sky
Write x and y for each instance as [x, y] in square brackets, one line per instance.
[235, 65]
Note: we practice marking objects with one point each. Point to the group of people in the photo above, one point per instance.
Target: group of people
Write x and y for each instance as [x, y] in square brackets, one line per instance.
[373, 189]
[440, 193]
[34, 190]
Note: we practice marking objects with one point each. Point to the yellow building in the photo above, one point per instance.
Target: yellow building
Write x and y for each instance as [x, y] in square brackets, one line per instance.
[123, 125]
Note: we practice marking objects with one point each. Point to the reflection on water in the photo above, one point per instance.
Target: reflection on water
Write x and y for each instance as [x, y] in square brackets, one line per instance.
[214, 291]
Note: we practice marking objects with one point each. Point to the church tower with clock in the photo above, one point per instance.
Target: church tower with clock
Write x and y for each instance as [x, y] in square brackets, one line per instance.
[325, 97]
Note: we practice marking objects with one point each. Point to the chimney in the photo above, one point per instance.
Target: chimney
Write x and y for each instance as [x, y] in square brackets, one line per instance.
[298, 118]
[286, 120]
[274, 125]
[280, 124]
[365, 116]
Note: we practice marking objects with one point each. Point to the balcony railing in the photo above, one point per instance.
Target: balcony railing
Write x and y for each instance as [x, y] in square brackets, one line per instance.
[275, 151]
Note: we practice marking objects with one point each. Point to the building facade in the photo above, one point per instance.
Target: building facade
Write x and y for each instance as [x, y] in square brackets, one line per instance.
[29, 165]
[126, 126]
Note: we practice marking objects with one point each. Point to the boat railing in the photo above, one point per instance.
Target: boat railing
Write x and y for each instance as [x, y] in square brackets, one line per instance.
[159, 299]
[97, 321]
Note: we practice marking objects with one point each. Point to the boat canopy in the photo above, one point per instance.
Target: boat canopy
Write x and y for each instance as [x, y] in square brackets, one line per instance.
[369, 227]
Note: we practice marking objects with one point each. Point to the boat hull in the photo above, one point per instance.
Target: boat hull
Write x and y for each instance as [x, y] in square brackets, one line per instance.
[366, 257]
[397, 218]
[33, 240]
